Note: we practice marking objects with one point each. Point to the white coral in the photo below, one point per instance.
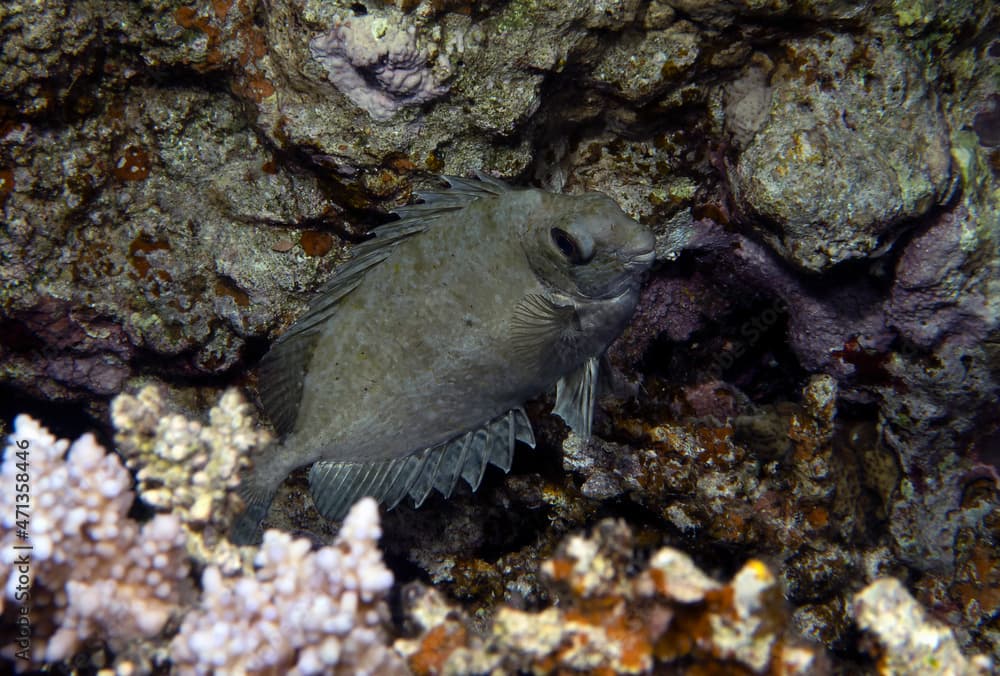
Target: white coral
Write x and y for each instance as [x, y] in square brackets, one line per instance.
[911, 641]
[94, 571]
[301, 612]
[187, 468]
[377, 63]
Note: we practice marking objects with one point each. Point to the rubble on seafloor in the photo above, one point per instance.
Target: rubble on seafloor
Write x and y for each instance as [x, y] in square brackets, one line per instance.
[613, 615]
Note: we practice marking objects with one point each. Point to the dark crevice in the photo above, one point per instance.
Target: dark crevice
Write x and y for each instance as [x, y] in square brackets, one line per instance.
[64, 419]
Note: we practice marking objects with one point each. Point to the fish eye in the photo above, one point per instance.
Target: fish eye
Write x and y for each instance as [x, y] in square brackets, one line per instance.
[568, 246]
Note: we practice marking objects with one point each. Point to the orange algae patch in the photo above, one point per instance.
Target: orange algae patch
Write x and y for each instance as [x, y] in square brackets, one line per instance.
[221, 8]
[818, 517]
[132, 165]
[138, 249]
[560, 569]
[636, 650]
[316, 243]
[187, 17]
[254, 46]
[143, 268]
[259, 88]
[437, 646]
[225, 287]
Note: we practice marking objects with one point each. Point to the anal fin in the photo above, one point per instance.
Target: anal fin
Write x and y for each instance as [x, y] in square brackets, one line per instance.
[335, 486]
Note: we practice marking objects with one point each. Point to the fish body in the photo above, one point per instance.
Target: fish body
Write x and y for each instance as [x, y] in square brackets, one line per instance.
[410, 367]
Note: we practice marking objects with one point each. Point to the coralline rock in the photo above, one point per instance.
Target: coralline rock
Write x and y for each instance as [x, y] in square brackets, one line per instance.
[833, 171]
[779, 482]
[727, 12]
[610, 620]
[302, 611]
[747, 101]
[92, 571]
[145, 264]
[934, 296]
[942, 382]
[912, 644]
[641, 66]
[188, 469]
[377, 63]
[45, 47]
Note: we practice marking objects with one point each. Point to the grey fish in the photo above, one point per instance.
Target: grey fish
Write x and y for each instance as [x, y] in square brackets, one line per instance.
[410, 367]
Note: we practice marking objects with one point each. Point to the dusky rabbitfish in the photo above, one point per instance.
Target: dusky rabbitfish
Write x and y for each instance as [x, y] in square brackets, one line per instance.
[410, 367]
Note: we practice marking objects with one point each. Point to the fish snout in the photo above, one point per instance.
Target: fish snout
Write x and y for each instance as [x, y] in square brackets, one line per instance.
[641, 253]
[640, 260]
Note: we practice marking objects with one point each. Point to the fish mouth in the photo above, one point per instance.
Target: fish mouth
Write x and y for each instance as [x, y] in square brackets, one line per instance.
[643, 260]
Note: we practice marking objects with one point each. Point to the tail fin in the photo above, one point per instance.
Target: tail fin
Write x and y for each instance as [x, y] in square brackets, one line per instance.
[246, 527]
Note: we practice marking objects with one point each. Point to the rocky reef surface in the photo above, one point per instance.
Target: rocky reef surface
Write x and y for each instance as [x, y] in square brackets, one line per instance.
[811, 379]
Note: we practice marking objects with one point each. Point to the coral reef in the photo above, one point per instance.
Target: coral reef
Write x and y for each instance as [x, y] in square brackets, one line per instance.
[154, 274]
[94, 573]
[188, 469]
[811, 378]
[302, 611]
[77, 568]
[608, 620]
[911, 643]
[826, 175]
[74, 563]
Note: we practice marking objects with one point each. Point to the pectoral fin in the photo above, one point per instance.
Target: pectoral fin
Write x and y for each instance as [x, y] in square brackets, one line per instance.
[575, 396]
[541, 329]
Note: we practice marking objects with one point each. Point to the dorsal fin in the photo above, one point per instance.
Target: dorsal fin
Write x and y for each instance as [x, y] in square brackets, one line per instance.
[460, 193]
[281, 375]
[283, 368]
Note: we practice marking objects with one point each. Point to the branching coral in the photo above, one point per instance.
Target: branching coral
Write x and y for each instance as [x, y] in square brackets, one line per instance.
[377, 63]
[187, 468]
[90, 571]
[301, 612]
